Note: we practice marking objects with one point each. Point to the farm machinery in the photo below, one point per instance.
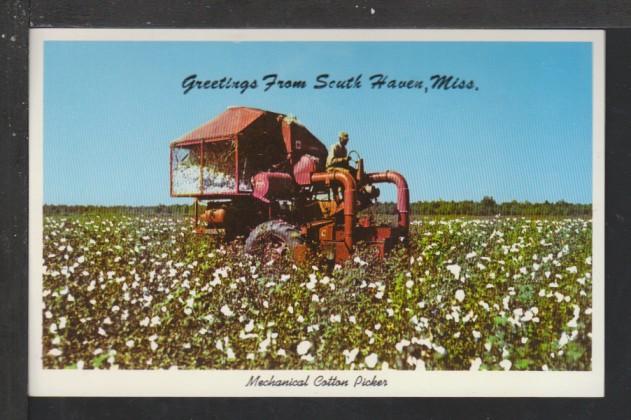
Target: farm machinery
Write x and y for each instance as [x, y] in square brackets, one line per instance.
[261, 175]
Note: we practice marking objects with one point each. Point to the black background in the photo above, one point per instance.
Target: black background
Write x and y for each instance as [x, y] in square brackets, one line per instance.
[17, 16]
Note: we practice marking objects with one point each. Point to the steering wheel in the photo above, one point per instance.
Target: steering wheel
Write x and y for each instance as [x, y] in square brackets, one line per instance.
[356, 153]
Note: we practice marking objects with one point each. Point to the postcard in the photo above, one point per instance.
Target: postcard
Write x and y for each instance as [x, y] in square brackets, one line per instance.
[316, 213]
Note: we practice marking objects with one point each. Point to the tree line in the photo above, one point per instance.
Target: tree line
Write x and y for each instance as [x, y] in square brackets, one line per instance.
[485, 207]
[489, 207]
[162, 209]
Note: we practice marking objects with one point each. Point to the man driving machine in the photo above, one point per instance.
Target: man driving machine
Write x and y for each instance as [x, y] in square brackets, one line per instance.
[338, 158]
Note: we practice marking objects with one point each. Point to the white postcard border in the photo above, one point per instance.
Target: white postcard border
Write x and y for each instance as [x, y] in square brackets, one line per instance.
[199, 383]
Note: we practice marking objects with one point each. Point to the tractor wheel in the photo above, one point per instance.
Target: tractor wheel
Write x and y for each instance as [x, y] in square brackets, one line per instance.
[273, 239]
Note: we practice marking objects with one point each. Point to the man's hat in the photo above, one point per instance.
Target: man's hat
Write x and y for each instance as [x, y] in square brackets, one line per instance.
[343, 135]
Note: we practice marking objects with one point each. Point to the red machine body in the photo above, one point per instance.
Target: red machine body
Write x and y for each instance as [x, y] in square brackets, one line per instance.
[260, 173]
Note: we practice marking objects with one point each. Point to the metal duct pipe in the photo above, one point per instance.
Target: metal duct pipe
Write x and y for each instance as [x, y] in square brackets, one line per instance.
[403, 194]
[348, 183]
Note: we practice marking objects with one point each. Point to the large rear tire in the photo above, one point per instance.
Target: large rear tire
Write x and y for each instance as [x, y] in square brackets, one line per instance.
[273, 239]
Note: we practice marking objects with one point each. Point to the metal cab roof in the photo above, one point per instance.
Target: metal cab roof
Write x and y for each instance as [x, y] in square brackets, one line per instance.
[227, 124]
[255, 123]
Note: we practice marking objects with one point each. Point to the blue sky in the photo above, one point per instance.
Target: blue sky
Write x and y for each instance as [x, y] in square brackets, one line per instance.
[111, 109]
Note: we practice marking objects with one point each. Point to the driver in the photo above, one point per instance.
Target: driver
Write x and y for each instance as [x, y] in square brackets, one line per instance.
[338, 160]
[338, 156]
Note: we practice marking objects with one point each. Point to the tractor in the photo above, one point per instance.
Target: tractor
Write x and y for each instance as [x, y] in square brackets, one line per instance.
[261, 175]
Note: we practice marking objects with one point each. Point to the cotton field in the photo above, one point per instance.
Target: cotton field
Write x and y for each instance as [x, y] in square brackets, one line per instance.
[133, 292]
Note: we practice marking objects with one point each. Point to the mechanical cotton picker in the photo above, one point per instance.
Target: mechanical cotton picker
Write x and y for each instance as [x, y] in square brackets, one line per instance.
[260, 175]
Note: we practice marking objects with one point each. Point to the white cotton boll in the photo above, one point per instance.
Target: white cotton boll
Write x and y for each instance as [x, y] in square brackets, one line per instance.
[454, 269]
[564, 339]
[528, 315]
[264, 344]
[401, 345]
[350, 355]
[439, 349]
[460, 295]
[249, 326]
[130, 343]
[303, 347]
[475, 364]
[506, 364]
[225, 309]
[54, 352]
[371, 360]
